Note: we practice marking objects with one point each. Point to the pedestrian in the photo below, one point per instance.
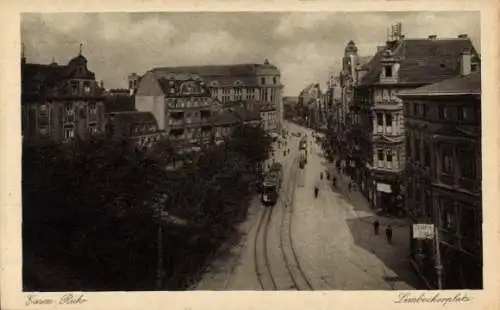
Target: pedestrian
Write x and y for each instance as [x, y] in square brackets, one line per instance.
[376, 225]
[388, 234]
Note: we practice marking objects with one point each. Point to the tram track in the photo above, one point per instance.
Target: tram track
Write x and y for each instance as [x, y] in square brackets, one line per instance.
[262, 265]
[295, 270]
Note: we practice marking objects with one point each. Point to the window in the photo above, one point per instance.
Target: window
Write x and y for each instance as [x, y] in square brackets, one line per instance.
[389, 156]
[388, 122]
[92, 108]
[74, 86]
[274, 80]
[86, 87]
[43, 109]
[69, 108]
[447, 161]
[424, 110]
[262, 80]
[380, 119]
[443, 113]
[69, 133]
[92, 129]
[448, 215]
[415, 109]
[388, 71]
[463, 114]
[380, 154]
[467, 162]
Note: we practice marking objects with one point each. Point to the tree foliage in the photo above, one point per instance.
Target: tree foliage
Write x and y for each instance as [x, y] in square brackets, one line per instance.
[251, 142]
[89, 221]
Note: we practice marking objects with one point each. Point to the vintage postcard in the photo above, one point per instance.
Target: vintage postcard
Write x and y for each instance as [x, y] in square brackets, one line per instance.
[249, 155]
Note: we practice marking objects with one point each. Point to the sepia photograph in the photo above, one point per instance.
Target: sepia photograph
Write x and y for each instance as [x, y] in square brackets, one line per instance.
[257, 151]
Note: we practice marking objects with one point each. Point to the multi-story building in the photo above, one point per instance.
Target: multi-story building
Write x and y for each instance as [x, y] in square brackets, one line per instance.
[309, 102]
[139, 127]
[228, 118]
[378, 150]
[348, 79]
[443, 183]
[118, 100]
[60, 101]
[229, 83]
[182, 105]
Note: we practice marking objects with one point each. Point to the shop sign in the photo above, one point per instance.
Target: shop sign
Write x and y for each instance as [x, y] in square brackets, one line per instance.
[382, 187]
[423, 231]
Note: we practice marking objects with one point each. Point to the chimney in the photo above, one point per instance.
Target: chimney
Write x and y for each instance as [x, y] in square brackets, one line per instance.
[465, 63]
[463, 36]
[432, 37]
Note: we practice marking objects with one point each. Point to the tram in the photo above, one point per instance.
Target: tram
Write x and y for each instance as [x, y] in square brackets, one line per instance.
[272, 185]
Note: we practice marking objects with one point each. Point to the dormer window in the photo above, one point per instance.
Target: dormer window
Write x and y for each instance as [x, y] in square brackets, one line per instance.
[388, 71]
[74, 86]
[274, 80]
[86, 87]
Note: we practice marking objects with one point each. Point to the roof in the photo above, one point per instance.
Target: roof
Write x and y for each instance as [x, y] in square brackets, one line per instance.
[220, 75]
[245, 115]
[134, 117]
[225, 117]
[119, 103]
[423, 61]
[459, 85]
[39, 77]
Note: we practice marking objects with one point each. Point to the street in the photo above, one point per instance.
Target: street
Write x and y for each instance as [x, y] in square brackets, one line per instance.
[325, 243]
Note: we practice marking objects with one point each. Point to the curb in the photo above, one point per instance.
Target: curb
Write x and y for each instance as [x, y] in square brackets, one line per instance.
[356, 200]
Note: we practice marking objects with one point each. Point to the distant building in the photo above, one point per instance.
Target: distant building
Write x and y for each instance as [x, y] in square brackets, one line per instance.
[443, 168]
[139, 127]
[229, 83]
[60, 101]
[118, 101]
[182, 105]
[377, 145]
[227, 119]
[308, 105]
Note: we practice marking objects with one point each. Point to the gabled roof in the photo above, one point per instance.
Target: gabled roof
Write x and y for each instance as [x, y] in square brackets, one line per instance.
[225, 117]
[119, 103]
[134, 117]
[245, 115]
[36, 78]
[459, 85]
[220, 75]
[423, 61]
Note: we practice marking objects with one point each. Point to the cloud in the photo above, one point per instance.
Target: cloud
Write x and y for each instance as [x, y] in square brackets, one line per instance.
[305, 46]
[206, 47]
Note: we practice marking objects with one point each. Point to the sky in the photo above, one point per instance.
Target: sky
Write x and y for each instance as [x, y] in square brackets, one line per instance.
[306, 46]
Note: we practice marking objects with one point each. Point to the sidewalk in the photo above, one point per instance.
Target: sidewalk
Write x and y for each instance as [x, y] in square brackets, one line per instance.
[357, 199]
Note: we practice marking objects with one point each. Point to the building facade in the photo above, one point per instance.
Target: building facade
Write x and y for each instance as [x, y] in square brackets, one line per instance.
[139, 127]
[344, 114]
[443, 166]
[60, 101]
[230, 83]
[182, 105]
[377, 140]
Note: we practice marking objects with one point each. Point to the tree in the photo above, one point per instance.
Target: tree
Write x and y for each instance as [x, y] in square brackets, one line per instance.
[252, 143]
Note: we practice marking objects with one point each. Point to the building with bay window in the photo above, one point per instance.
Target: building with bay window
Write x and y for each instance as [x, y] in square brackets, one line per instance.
[443, 183]
[182, 105]
[233, 83]
[377, 136]
[60, 102]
